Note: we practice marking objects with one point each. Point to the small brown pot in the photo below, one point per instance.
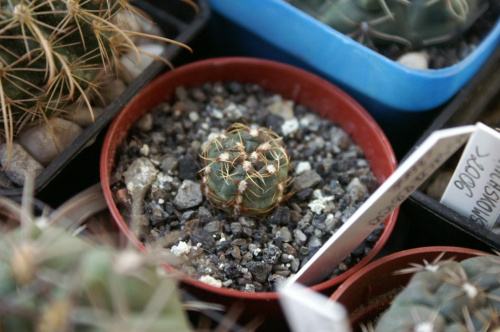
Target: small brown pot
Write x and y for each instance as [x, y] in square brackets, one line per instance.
[370, 291]
[292, 83]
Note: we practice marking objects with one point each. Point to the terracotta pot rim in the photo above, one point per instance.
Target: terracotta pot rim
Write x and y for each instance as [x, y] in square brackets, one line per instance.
[106, 167]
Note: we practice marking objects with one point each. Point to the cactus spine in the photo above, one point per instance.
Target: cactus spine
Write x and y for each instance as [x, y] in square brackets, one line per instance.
[246, 170]
[448, 296]
[53, 52]
[415, 23]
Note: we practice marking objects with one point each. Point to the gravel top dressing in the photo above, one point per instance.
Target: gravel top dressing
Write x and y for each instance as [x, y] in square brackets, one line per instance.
[157, 181]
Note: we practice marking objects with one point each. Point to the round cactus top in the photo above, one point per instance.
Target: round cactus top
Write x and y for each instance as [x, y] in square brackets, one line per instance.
[246, 170]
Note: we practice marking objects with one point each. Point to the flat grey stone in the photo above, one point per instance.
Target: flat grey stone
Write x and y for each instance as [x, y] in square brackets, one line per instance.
[169, 164]
[46, 141]
[308, 179]
[188, 196]
[22, 164]
[285, 234]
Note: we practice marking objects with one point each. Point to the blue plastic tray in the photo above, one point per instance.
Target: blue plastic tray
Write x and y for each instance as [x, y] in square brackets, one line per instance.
[374, 80]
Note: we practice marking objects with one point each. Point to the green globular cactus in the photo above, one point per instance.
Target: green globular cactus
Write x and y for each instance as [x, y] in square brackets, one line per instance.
[413, 23]
[448, 296]
[246, 170]
[52, 281]
[53, 52]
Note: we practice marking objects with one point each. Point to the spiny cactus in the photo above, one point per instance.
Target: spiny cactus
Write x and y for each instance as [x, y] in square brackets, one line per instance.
[53, 52]
[246, 170]
[448, 296]
[414, 23]
[53, 281]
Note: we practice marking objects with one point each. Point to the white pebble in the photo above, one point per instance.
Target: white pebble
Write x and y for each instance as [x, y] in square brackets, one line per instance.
[145, 150]
[320, 203]
[193, 116]
[217, 114]
[302, 167]
[290, 127]
[415, 60]
[180, 249]
[211, 281]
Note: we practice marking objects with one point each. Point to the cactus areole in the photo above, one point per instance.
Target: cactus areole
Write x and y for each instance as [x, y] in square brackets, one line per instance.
[246, 170]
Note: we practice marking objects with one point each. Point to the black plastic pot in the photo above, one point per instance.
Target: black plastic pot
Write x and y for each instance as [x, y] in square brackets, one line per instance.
[435, 223]
[177, 21]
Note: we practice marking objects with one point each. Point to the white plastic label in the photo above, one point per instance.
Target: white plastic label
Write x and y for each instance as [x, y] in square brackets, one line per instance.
[474, 189]
[307, 311]
[436, 149]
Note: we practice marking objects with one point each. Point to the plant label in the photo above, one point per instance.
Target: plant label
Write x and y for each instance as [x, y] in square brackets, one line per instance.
[436, 149]
[474, 189]
[307, 310]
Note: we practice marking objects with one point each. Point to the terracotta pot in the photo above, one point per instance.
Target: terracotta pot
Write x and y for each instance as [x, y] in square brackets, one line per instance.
[292, 83]
[370, 291]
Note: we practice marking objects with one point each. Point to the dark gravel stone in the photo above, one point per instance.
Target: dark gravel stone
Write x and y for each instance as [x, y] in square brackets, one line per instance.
[188, 168]
[236, 228]
[247, 232]
[258, 270]
[260, 235]
[232, 270]
[187, 215]
[235, 252]
[234, 87]
[308, 230]
[275, 121]
[280, 216]
[223, 246]
[271, 254]
[204, 237]
[214, 227]
[204, 215]
[303, 195]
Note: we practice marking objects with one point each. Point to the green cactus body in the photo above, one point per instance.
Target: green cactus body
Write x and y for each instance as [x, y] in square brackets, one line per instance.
[51, 52]
[246, 170]
[415, 23]
[56, 52]
[52, 281]
[450, 297]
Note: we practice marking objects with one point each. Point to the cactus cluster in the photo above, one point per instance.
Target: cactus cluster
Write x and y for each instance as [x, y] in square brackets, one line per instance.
[448, 296]
[414, 23]
[53, 52]
[53, 281]
[246, 170]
